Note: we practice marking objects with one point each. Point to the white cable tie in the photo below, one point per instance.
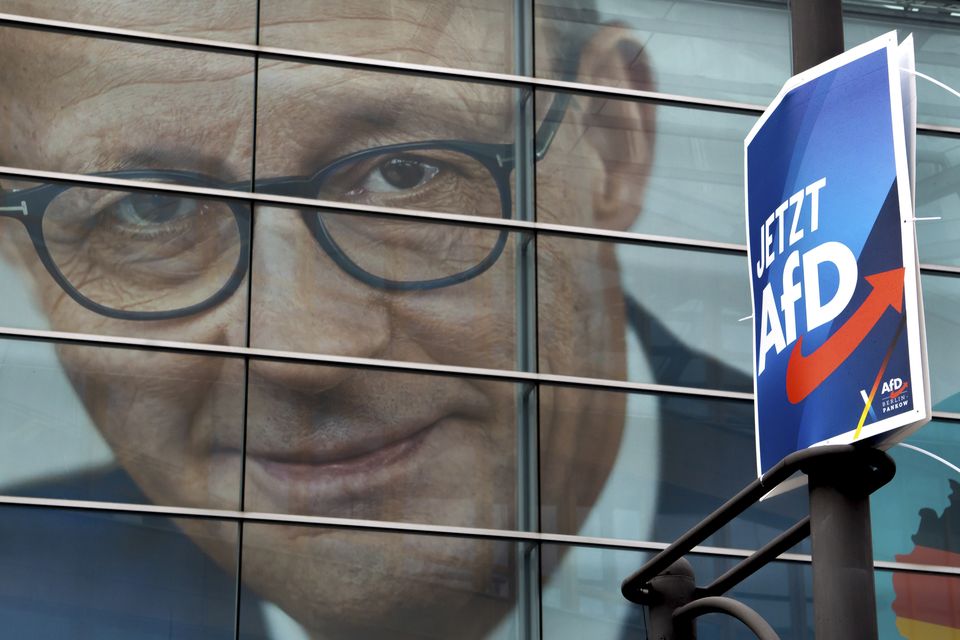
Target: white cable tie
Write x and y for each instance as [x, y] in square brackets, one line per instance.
[933, 80]
[920, 74]
[745, 318]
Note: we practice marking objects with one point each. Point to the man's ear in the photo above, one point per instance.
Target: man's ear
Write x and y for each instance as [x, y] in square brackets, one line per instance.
[621, 131]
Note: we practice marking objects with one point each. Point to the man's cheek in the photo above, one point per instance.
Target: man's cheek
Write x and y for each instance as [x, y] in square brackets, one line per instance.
[562, 200]
[569, 180]
[174, 422]
[151, 393]
[19, 263]
[578, 297]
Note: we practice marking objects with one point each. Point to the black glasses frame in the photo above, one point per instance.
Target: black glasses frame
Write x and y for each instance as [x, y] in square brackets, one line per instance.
[29, 206]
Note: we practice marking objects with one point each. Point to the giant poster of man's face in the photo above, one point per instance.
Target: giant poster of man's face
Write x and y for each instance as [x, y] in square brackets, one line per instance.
[373, 441]
[323, 440]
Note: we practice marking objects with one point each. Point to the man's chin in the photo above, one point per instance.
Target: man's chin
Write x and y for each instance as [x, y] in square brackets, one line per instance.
[364, 584]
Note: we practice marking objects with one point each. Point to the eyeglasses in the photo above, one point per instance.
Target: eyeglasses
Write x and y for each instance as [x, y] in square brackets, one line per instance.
[155, 256]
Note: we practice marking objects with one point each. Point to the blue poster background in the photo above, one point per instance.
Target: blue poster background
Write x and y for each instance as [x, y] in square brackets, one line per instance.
[838, 126]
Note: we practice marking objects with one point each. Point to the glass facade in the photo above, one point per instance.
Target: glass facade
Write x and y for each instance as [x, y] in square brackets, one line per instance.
[408, 319]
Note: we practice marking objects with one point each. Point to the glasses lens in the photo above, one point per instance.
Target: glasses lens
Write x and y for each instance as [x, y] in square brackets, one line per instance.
[435, 180]
[141, 252]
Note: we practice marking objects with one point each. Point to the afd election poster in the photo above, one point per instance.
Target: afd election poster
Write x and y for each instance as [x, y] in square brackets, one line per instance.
[839, 349]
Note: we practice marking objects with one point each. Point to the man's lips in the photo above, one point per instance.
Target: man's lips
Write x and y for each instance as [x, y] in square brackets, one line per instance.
[320, 475]
[350, 457]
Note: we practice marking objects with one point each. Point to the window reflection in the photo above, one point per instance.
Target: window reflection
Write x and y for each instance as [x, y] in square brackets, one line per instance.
[726, 50]
[936, 41]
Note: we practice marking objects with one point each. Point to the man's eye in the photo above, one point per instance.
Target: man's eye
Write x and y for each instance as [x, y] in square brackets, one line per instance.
[396, 175]
[143, 210]
[430, 179]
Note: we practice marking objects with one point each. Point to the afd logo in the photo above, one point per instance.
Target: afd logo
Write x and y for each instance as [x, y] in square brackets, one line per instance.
[894, 387]
[891, 397]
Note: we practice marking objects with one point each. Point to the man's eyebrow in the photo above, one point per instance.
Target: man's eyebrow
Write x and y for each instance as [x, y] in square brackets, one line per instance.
[179, 159]
[415, 119]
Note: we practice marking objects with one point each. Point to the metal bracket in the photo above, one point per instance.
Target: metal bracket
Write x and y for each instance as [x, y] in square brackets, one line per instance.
[842, 478]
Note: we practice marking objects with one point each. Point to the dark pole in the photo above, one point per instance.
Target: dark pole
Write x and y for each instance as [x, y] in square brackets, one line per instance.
[844, 598]
[817, 31]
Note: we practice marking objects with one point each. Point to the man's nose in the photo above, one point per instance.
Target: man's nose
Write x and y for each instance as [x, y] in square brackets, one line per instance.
[301, 301]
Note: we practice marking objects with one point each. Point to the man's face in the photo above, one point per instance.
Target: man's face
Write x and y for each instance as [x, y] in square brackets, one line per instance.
[326, 440]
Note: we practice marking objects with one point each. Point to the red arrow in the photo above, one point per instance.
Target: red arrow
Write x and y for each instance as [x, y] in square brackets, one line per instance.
[806, 373]
[899, 391]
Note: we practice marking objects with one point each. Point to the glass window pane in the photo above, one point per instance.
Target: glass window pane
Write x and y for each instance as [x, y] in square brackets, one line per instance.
[229, 20]
[133, 264]
[361, 584]
[941, 295]
[75, 574]
[354, 285]
[82, 105]
[709, 49]
[633, 166]
[582, 599]
[920, 511]
[651, 466]
[938, 166]
[120, 425]
[377, 445]
[936, 40]
[644, 313]
[467, 34]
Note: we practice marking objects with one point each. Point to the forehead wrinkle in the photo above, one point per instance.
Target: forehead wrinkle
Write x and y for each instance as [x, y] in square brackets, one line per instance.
[406, 108]
[81, 67]
[134, 91]
[179, 17]
[103, 141]
[437, 33]
[169, 68]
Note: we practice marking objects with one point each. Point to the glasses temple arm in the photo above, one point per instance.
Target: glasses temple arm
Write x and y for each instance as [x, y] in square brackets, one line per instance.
[13, 204]
[551, 124]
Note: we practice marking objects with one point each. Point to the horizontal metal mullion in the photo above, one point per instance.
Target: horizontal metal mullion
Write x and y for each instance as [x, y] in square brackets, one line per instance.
[505, 535]
[344, 523]
[939, 268]
[939, 130]
[629, 237]
[881, 15]
[910, 567]
[276, 355]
